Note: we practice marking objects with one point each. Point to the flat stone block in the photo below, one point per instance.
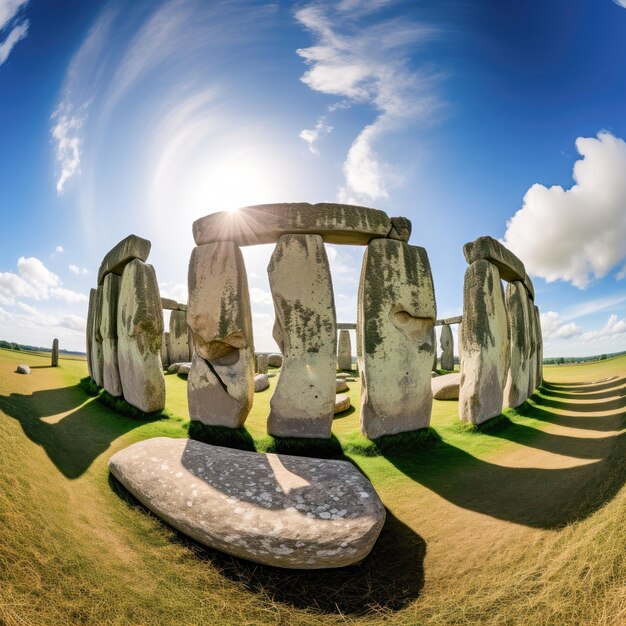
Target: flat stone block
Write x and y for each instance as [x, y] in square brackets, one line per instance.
[120, 255]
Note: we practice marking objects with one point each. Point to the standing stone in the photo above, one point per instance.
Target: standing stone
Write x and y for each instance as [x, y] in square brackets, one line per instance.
[89, 330]
[532, 351]
[221, 381]
[305, 330]
[97, 362]
[344, 351]
[539, 338]
[139, 333]
[517, 309]
[447, 347]
[55, 353]
[190, 342]
[118, 257]
[395, 320]
[485, 350]
[261, 363]
[179, 337]
[165, 350]
[433, 340]
[108, 329]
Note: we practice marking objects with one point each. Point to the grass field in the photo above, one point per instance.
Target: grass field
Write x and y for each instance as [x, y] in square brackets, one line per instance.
[519, 524]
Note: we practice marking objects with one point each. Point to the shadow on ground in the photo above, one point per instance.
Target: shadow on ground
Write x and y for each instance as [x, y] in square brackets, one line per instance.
[77, 438]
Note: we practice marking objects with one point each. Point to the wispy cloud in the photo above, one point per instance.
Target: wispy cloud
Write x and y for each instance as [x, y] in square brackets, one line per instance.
[366, 61]
[310, 136]
[597, 305]
[621, 3]
[75, 269]
[553, 326]
[576, 234]
[66, 132]
[17, 28]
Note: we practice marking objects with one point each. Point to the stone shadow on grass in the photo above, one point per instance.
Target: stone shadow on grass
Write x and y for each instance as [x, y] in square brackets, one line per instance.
[388, 579]
[74, 440]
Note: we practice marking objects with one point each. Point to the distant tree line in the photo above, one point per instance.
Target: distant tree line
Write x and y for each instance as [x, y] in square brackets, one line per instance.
[563, 360]
[11, 345]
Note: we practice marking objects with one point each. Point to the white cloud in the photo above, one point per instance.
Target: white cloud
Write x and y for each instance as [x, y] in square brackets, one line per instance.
[611, 330]
[35, 281]
[310, 136]
[67, 135]
[75, 269]
[578, 233]
[621, 3]
[553, 326]
[597, 305]
[18, 29]
[175, 291]
[73, 322]
[260, 296]
[366, 62]
[58, 249]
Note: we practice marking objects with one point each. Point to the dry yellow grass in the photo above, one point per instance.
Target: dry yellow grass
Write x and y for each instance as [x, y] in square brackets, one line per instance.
[521, 525]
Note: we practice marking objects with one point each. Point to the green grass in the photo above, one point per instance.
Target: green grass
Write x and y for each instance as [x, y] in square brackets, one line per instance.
[517, 522]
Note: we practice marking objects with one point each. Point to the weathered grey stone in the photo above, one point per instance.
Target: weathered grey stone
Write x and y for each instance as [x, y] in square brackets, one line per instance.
[342, 385]
[275, 360]
[266, 223]
[342, 403]
[165, 350]
[121, 254]
[447, 348]
[173, 368]
[305, 331]
[89, 330]
[139, 332]
[446, 387]
[344, 351]
[433, 340]
[346, 326]
[539, 338]
[181, 307]
[457, 319]
[279, 510]
[485, 349]
[169, 304]
[396, 314]
[55, 353]
[108, 329]
[179, 337]
[532, 350]
[97, 358]
[530, 288]
[221, 382]
[510, 267]
[400, 229]
[261, 363]
[261, 382]
[184, 369]
[22, 368]
[517, 309]
[343, 375]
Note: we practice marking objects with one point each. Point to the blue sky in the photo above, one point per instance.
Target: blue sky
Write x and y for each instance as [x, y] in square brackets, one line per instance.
[468, 117]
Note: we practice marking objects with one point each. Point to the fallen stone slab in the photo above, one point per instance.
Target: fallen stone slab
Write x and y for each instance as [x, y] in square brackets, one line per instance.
[279, 510]
[261, 382]
[266, 223]
[122, 254]
[446, 387]
[22, 369]
[510, 267]
[343, 375]
[173, 368]
[184, 369]
[341, 385]
[342, 403]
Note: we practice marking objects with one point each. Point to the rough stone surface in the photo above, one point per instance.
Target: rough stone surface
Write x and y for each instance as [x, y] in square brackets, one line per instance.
[55, 353]
[279, 510]
[400, 229]
[261, 382]
[530, 288]
[517, 310]
[346, 326]
[97, 358]
[344, 351]
[169, 304]
[121, 254]
[510, 267]
[184, 369]
[457, 319]
[108, 329]
[261, 363]
[433, 340]
[539, 339]
[22, 368]
[165, 350]
[139, 332]
[266, 223]
[275, 360]
[221, 382]
[532, 350]
[342, 385]
[485, 345]
[396, 314]
[342, 403]
[447, 348]
[343, 375]
[305, 331]
[173, 368]
[446, 387]
[89, 330]
[179, 337]
[181, 307]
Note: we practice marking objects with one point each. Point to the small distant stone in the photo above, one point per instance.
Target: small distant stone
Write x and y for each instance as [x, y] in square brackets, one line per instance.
[341, 385]
[23, 369]
[275, 360]
[342, 403]
[261, 382]
[175, 367]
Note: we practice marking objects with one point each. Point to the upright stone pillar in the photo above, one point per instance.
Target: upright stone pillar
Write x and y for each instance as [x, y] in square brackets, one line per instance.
[261, 364]
[306, 332]
[485, 350]
[220, 386]
[517, 309]
[139, 333]
[165, 350]
[539, 340]
[532, 350]
[179, 337]
[55, 353]
[344, 351]
[108, 329]
[89, 330]
[96, 340]
[447, 348]
[395, 320]
[433, 340]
